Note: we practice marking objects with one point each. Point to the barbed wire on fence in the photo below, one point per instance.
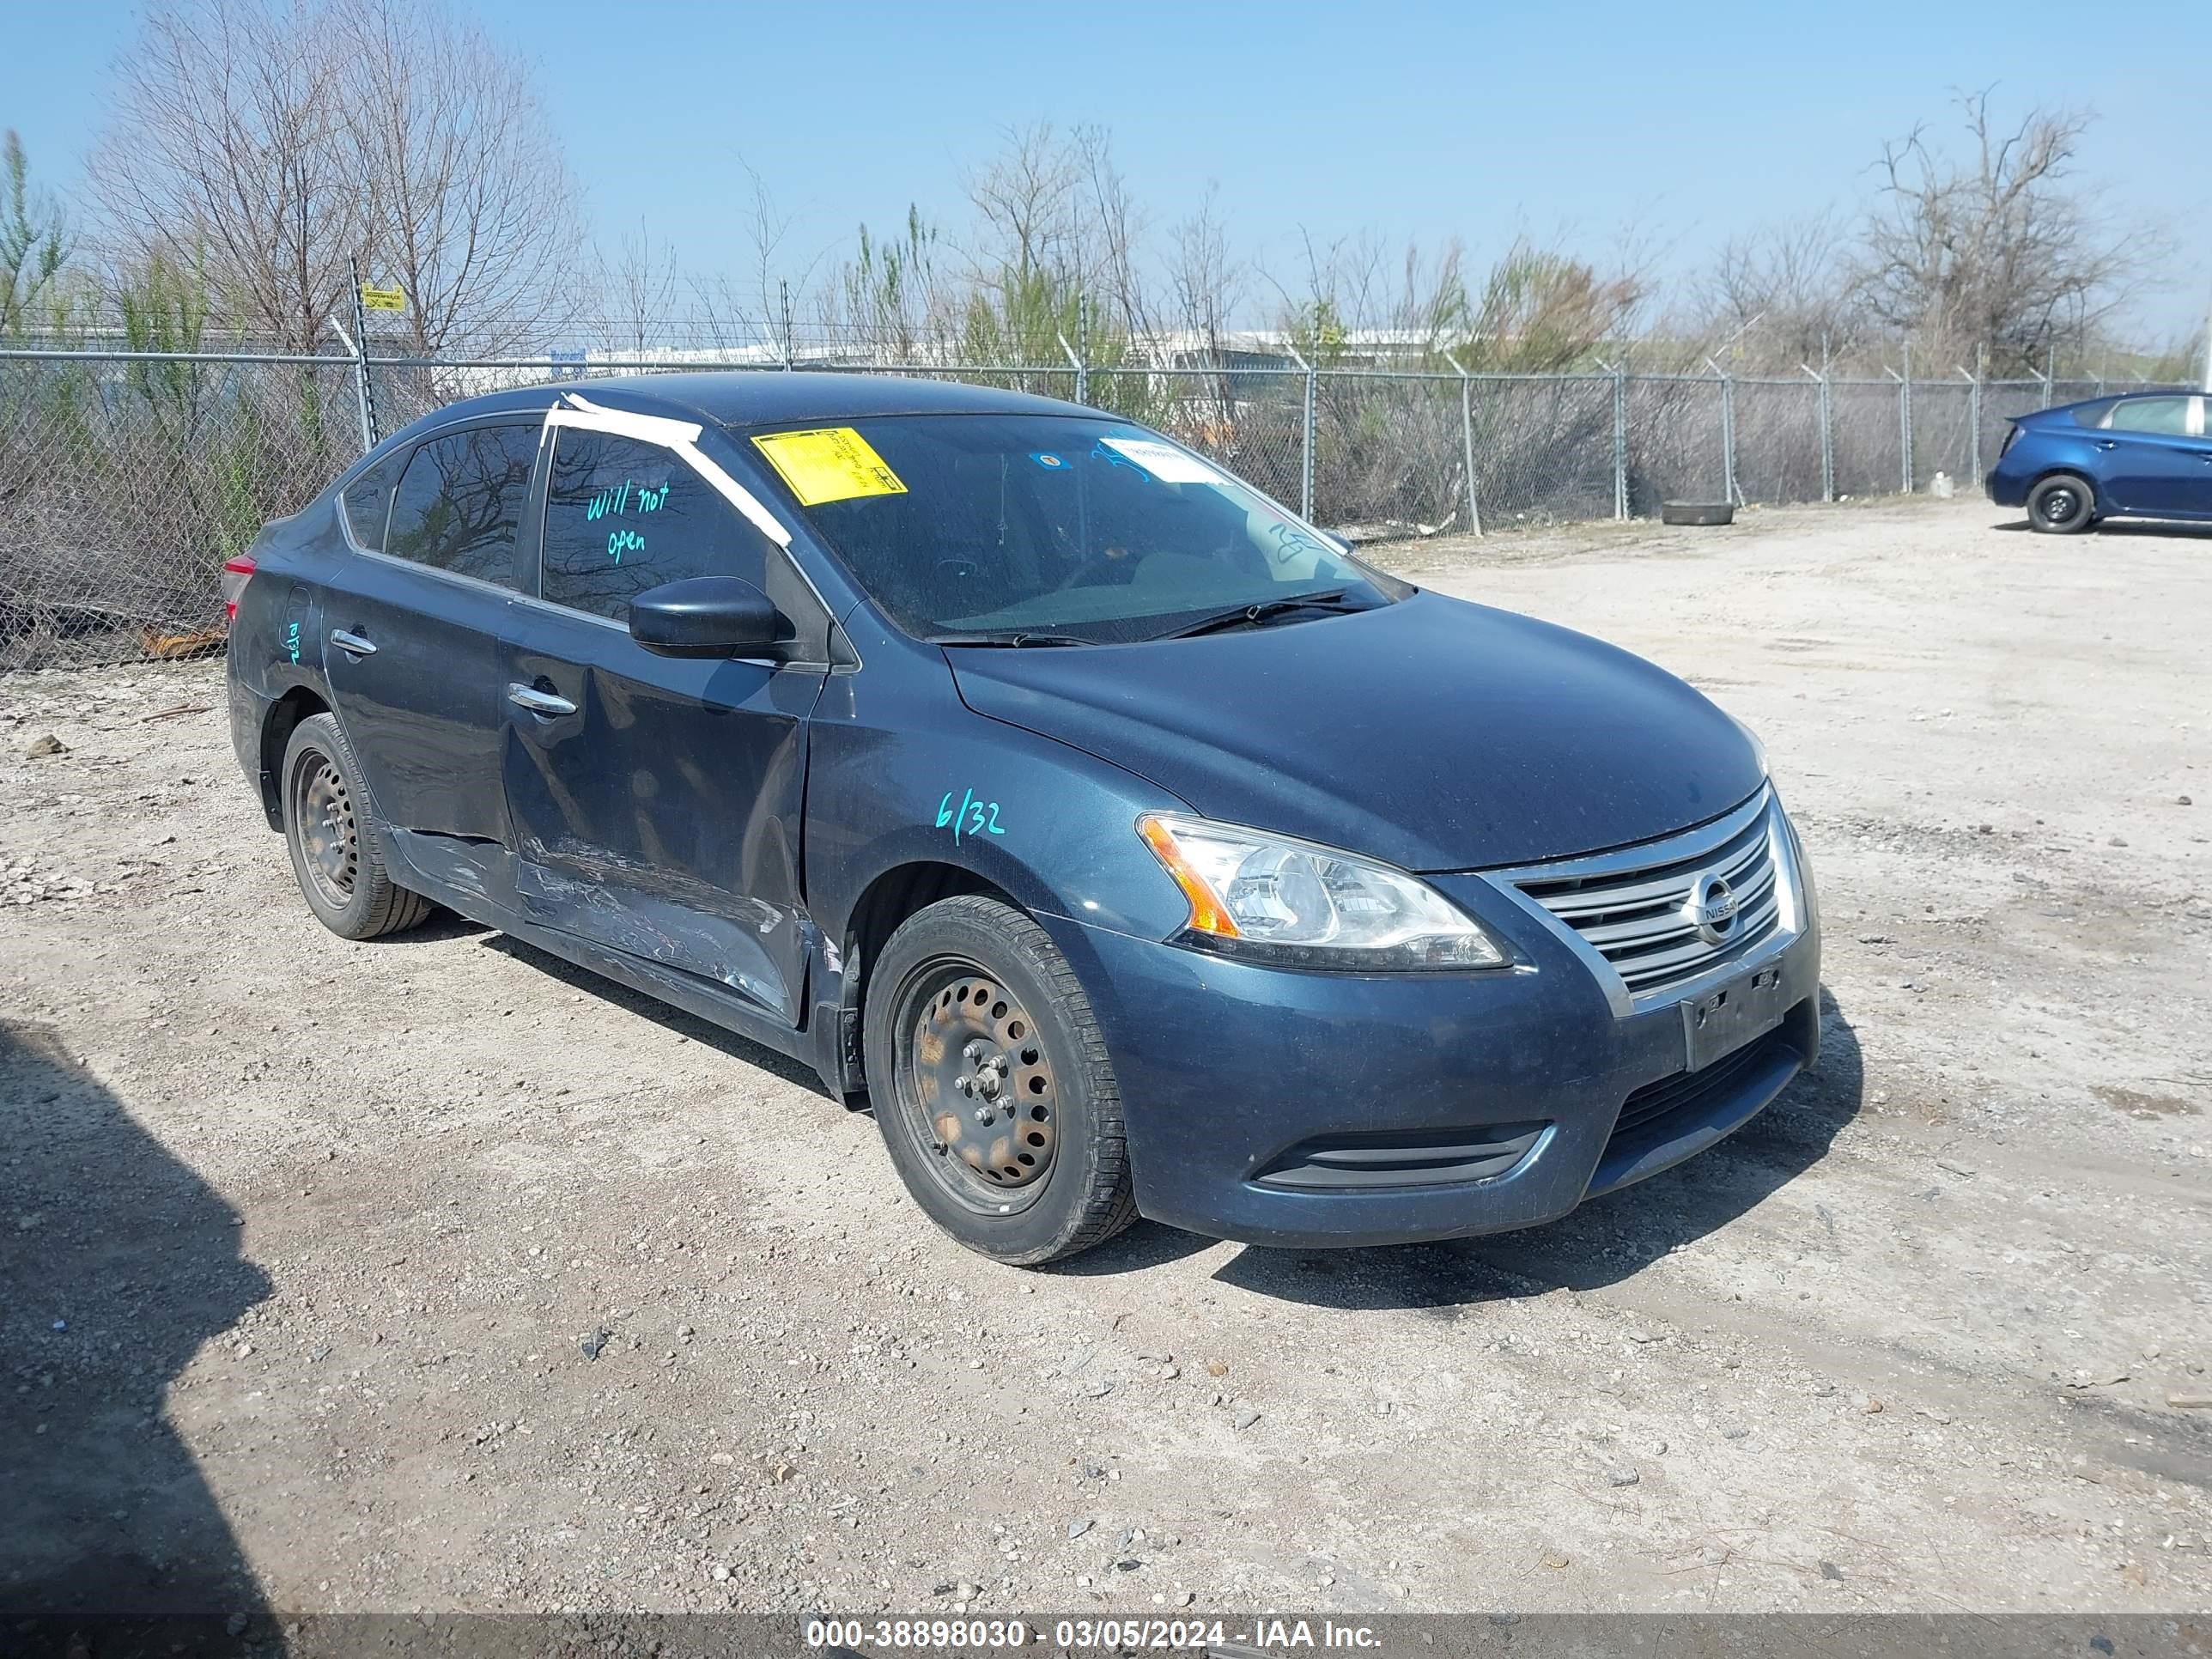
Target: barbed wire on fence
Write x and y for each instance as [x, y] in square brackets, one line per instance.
[127, 479]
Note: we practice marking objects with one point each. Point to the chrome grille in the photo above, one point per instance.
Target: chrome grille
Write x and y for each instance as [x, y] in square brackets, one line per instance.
[1637, 910]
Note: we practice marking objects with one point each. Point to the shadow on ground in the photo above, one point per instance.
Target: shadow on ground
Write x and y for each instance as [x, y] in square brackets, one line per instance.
[119, 1263]
[2168, 528]
[665, 1015]
[1607, 1240]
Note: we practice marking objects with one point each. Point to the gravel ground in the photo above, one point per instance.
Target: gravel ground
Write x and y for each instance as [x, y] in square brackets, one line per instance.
[433, 1274]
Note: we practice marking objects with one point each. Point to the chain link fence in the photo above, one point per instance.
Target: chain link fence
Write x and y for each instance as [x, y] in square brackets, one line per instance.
[127, 479]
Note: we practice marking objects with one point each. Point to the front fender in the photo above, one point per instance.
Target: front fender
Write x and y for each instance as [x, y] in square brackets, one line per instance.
[1051, 825]
[901, 773]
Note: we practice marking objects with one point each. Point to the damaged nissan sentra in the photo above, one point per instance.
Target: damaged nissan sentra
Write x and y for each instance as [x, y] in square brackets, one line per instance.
[1125, 842]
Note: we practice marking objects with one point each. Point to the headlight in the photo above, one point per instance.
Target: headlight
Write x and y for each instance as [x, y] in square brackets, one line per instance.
[1272, 899]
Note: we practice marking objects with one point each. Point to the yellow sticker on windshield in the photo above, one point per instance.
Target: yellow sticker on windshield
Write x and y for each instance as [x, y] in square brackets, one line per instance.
[830, 464]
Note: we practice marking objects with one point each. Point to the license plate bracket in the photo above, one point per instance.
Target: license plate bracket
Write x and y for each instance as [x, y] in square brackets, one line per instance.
[1723, 1020]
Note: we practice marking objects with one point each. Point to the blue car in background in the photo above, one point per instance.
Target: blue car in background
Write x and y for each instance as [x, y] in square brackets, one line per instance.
[1129, 845]
[2143, 455]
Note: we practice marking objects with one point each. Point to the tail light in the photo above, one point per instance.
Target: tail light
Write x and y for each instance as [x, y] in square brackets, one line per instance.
[2011, 432]
[235, 574]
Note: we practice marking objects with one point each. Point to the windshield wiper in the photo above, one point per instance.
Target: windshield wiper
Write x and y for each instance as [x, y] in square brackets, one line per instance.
[1008, 641]
[1250, 616]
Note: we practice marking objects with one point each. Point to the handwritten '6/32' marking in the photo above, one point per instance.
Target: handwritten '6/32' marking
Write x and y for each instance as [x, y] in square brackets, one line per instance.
[971, 816]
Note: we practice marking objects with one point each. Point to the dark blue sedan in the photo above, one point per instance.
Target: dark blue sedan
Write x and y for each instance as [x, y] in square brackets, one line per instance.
[2145, 455]
[1129, 844]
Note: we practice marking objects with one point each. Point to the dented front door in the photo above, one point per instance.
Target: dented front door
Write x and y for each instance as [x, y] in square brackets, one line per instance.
[658, 811]
[655, 801]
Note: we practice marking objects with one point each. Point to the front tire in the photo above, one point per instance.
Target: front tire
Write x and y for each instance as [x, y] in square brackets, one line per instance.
[2061, 504]
[992, 1086]
[335, 855]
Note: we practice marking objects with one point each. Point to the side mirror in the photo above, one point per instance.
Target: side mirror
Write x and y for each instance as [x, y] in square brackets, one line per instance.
[708, 616]
[1341, 544]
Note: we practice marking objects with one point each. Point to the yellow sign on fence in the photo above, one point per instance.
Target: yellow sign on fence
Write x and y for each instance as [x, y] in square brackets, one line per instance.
[382, 299]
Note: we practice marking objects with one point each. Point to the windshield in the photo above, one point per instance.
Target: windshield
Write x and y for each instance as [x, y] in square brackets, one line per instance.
[1049, 526]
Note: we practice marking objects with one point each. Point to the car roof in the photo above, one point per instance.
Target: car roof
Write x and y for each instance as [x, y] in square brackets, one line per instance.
[740, 398]
[2132, 394]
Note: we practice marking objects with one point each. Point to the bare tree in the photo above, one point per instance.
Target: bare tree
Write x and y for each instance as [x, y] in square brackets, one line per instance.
[1997, 250]
[1780, 296]
[637, 291]
[1205, 282]
[1109, 232]
[1025, 201]
[275, 140]
[764, 304]
[223, 143]
[35, 242]
[469, 207]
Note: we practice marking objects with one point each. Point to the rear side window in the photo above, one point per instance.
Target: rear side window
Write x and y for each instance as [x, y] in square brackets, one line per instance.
[2165, 416]
[622, 516]
[365, 503]
[460, 498]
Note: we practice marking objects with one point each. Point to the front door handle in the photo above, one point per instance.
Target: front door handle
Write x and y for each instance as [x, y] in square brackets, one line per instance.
[537, 702]
[352, 643]
[2108, 443]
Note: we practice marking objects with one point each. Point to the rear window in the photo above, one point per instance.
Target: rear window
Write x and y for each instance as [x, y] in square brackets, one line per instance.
[460, 499]
[365, 503]
[2093, 414]
[2168, 417]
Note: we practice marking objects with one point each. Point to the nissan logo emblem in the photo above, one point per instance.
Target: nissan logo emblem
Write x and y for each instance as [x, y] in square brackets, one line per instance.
[1712, 909]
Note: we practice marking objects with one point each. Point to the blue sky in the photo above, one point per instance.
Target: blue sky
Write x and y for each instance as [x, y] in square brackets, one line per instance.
[1583, 122]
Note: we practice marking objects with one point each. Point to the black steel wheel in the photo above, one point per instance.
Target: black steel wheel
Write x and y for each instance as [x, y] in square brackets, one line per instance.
[992, 1087]
[2061, 504]
[335, 854]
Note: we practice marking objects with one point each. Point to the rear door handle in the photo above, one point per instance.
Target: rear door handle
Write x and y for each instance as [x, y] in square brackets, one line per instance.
[537, 702]
[2108, 443]
[352, 642]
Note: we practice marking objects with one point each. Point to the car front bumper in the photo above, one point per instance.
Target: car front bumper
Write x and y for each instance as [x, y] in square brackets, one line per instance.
[1314, 1110]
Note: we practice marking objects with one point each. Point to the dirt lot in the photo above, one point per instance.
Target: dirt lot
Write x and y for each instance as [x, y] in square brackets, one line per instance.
[433, 1274]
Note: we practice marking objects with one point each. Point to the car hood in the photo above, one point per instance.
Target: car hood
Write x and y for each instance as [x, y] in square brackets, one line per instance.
[1433, 733]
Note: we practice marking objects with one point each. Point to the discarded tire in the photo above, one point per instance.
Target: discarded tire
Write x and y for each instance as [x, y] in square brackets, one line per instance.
[1697, 512]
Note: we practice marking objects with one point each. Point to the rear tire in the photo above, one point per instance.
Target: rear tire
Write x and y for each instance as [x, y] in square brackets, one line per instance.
[2061, 504]
[992, 1086]
[336, 857]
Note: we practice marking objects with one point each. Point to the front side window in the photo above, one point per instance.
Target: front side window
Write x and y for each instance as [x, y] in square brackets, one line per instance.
[460, 498]
[622, 516]
[1043, 526]
[2168, 417]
